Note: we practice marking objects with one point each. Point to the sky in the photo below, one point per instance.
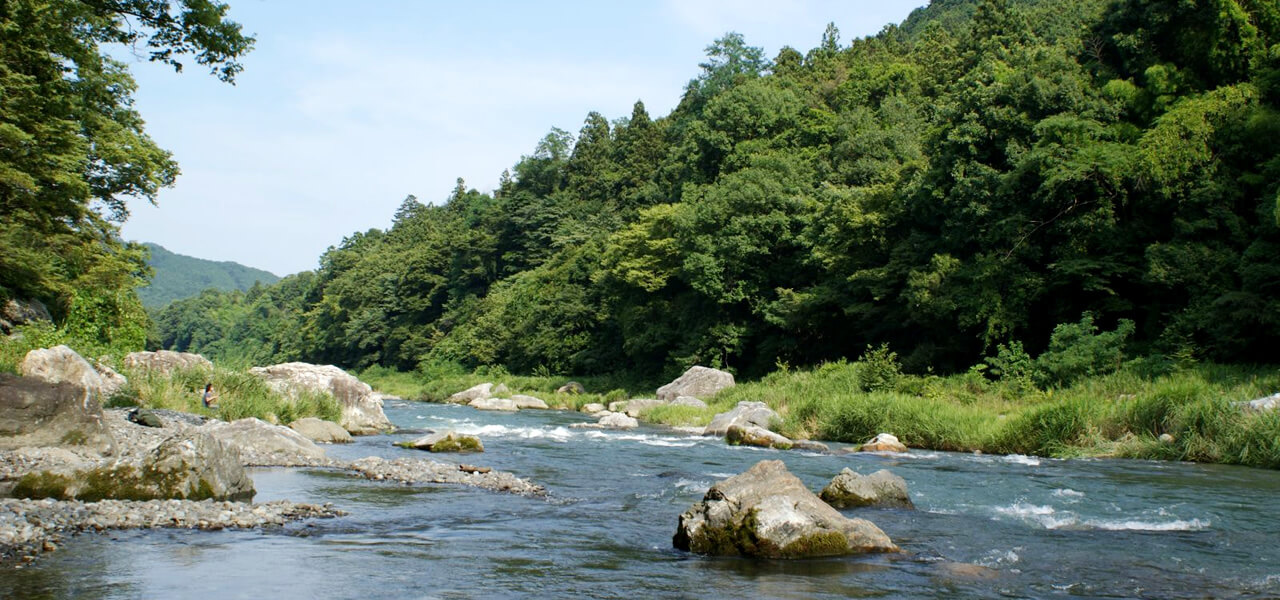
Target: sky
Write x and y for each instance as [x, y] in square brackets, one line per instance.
[345, 108]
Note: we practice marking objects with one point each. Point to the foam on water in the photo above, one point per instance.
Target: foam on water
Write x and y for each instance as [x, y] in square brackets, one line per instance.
[692, 486]
[1020, 459]
[558, 434]
[1049, 517]
[1067, 493]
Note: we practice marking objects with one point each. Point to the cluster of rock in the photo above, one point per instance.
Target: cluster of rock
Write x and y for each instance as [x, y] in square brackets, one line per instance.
[768, 512]
[28, 527]
[487, 396]
[411, 471]
[361, 408]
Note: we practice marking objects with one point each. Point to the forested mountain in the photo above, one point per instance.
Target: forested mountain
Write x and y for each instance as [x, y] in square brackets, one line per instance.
[176, 276]
[971, 179]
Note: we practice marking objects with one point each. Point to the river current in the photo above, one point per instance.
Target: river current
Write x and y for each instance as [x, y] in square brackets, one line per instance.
[984, 527]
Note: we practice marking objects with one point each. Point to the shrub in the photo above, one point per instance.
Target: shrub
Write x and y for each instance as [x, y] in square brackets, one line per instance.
[1079, 350]
[879, 370]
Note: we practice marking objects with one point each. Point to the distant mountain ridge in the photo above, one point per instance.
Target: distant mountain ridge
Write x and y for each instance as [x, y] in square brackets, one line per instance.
[178, 276]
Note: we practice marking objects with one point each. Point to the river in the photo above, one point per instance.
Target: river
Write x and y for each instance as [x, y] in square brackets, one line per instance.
[1034, 528]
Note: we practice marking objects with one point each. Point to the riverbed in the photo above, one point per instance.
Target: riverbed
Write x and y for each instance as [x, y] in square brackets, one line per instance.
[984, 527]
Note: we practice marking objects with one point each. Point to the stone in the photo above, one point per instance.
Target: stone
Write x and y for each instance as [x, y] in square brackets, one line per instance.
[593, 408]
[767, 512]
[699, 382]
[61, 364]
[446, 441]
[35, 412]
[745, 413]
[523, 402]
[1166, 438]
[810, 446]
[321, 431]
[884, 442]
[617, 421]
[361, 408]
[882, 488]
[166, 361]
[14, 313]
[501, 390]
[572, 387]
[261, 443]
[1264, 404]
[145, 417]
[190, 465]
[639, 406]
[483, 390]
[750, 435]
[689, 401]
[112, 382]
[499, 404]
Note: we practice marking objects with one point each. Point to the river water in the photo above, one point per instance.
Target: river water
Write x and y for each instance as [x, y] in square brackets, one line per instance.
[984, 527]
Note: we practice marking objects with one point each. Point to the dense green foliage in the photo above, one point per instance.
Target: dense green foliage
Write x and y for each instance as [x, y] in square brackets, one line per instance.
[73, 150]
[177, 276]
[1047, 178]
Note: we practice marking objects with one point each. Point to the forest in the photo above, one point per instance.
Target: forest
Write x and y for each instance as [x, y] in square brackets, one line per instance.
[958, 188]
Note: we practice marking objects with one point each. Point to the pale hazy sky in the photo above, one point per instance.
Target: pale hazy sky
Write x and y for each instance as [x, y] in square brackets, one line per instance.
[344, 108]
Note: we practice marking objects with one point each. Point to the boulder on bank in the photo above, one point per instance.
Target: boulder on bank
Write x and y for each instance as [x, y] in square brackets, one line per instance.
[768, 512]
[35, 412]
[1264, 404]
[610, 420]
[882, 488]
[637, 406]
[476, 392]
[61, 364]
[744, 414]
[261, 443]
[498, 404]
[191, 465]
[884, 442]
[145, 417]
[699, 382]
[166, 361]
[523, 402]
[361, 408]
[750, 435]
[593, 408]
[321, 431]
[572, 387]
[446, 441]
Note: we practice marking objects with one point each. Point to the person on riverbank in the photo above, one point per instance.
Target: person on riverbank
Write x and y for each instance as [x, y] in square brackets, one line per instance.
[210, 397]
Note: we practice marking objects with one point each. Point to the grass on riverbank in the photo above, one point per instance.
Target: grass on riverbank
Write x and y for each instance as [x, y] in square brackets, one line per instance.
[240, 395]
[438, 382]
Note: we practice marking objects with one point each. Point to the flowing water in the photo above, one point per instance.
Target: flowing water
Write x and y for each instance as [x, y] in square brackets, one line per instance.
[984, 527]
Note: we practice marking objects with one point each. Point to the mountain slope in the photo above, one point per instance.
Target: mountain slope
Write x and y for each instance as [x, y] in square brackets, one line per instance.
[178, 276]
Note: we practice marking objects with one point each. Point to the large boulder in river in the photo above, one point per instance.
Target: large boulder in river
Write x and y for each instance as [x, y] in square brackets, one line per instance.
[882, 488]
[498, 404]
[742, 415]
[319, 430]
[768, 512]
[446, 441]
[750, 435]
[884, 442]
[166, 361]
[361, 408]
[524, 402]
[35, 412]
[190, 465]
[475, 392]
[699, 382]
[263, 444]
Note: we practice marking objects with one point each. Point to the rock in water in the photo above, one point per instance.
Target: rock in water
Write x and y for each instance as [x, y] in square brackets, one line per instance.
[744, 414]
[34, 412]
[261, 443]
[699, 382]
[882, 488]
[446, 441]
[523, 402]
[768, 512]
[475, 392]
[884, 442]
[361, 408]
[756, 436]
[499, 404]
[319, 430]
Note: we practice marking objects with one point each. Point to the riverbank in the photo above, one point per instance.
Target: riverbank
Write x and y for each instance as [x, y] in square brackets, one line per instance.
[1190, 413]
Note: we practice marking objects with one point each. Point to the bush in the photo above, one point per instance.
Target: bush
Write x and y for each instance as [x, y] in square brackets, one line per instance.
[1078, 350]
[879, 370]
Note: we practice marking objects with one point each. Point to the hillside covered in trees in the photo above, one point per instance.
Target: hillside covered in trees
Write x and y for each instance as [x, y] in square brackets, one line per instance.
[178, 276]
[959, 184]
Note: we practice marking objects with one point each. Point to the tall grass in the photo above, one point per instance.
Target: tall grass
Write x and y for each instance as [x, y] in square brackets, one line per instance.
[240, 395]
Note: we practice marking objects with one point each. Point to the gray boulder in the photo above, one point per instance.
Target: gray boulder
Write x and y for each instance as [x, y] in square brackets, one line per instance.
[884, 442]
[744, 414]
[810, 446]
[61, 364]
[750, 435]
[617, 421]
[35, 412]
[768, 512]
[639, 406]
[321, 431]
[476, 392]
[523, 402]
[699, 382]
[882, 488]
[112, 382]
[446, 441]
[689, 401]
[263, 444]
[361, 408]
[190, 465]
[572, 387]
[166, 361]
[593, 408]
[1264, 404]
[498, 404]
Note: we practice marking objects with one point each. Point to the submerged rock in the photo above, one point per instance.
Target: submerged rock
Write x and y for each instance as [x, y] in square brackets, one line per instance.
[744, 414]
[882, 488]
[884, 442]
[699, 382]
[768, 512]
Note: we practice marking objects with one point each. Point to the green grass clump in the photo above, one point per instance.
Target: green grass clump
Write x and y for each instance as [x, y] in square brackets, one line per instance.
[240, 395]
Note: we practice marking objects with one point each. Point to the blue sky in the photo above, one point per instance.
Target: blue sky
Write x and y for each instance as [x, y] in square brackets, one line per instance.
[344, 108]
